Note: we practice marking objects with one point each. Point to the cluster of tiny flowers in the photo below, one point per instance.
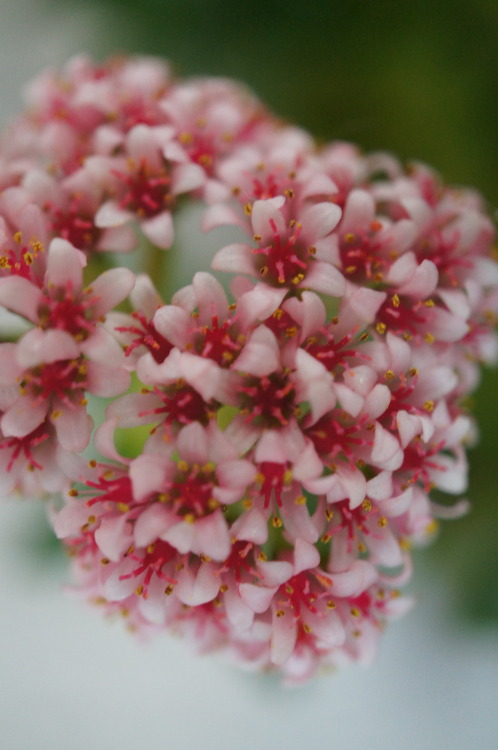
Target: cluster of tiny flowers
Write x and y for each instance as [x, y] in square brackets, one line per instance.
[293, 428]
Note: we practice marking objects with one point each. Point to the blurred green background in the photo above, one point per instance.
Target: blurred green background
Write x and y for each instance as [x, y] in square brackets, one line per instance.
[418, 79]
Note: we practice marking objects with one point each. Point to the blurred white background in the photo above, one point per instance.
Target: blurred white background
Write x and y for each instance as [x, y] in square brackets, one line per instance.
[72, 681]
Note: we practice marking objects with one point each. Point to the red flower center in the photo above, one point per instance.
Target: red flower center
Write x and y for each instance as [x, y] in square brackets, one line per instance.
[285, 260]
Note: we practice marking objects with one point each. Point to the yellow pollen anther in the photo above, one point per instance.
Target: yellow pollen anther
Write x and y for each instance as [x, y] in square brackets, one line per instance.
[189, 518]
[429, 405]
[329, 514]
[168, 590]
[381, 328]
[248, 209]
[186, 138]
[395, 300]
[355, 612]
[382, 522]
[123, 507]
[56, 414]
[262, 557]
[300, 500]
[429, 338]
[37, 246]
[73, 493]
[367, 505]
[331, 604]
[263, 270]
[291, 332]
[280, 612]
[349, 238]
[18, 237]
[182, 465]
[307, 628]
[312, 250]
[432, 527]
[429, 303]
[276, 522]
[389, 374]
[257, 238]
[326, 538]
[413, 372]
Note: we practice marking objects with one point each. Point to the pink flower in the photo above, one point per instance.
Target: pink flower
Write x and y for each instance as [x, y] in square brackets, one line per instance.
[68, 353]
[270, 460]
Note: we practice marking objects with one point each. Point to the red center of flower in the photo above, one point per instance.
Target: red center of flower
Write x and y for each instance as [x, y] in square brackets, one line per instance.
[148, 336]
[300, 592]
[62, 310]
[269, 399]
[64, 380]
[281, 324]
[25, 446]
[240, 561]
[285, 260]
[116, 490]
[22, 260]
[269, 186]
[352, 520]
[443, 252]
[402, 316]
[191, 494]
[216, 342]
[147, 192]
[76, 226]
[332, 354]
[273, 477]
[182, 405]
[417, 462]
[151, 561]
[201, 149]
[362, 256]
[334, 436]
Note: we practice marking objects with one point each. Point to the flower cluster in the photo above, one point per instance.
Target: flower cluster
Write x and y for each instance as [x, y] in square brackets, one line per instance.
[268, 457]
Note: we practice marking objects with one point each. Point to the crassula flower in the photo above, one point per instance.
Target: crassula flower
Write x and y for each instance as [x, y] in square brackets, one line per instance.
[272, 436]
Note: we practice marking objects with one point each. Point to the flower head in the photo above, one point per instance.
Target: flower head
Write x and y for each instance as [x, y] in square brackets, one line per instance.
[268, 454]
